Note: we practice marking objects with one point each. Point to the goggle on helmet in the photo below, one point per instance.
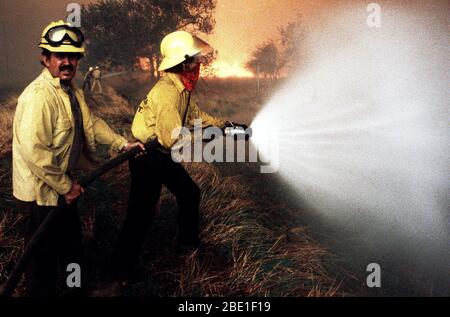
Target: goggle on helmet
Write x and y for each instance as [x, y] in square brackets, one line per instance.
[56, 36]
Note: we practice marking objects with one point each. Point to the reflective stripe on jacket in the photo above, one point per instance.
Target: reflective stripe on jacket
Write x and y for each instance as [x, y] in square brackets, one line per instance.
[163, 110]
[43, 133]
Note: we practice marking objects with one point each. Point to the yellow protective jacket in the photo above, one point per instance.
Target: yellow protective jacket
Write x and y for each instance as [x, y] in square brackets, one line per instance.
[43, 133]
[163, 110]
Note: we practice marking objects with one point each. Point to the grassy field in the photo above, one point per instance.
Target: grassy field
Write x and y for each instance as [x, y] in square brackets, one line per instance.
[253, 242]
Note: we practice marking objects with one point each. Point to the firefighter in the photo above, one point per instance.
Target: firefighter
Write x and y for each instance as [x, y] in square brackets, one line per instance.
[97, 75]
[53, 129]
[169, 105]
[88, 79]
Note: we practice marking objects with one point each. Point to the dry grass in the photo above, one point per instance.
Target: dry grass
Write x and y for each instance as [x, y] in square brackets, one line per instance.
[240, 256]
[111, 106]
[252, 260]
[7, 109]
[11, 241]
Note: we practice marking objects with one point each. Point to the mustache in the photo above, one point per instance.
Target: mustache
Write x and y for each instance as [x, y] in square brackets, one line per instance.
[66, 67]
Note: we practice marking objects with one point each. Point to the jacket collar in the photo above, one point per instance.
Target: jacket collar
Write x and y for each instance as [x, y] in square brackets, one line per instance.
[55, 82]
[52, 80]
[175, 78]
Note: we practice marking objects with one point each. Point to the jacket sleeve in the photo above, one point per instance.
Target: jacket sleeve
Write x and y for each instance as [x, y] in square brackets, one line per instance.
[207, 120]
[103, 134]
[35, 135]
[166, 101]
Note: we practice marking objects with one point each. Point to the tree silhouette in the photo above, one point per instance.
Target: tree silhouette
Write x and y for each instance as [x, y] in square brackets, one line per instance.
[265, 60]
[292, 36]
[283, 55]
[119, 31]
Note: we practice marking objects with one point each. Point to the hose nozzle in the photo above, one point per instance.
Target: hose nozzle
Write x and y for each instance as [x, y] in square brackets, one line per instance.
[238, 132]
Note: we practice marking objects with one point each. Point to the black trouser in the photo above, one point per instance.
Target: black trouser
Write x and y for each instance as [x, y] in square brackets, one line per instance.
[148, 174]
[62, 242]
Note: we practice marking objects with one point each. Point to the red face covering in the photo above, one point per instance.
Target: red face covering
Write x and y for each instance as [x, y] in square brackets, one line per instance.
[190, 78]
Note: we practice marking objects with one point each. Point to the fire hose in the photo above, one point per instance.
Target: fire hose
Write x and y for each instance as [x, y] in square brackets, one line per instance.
[7, 289]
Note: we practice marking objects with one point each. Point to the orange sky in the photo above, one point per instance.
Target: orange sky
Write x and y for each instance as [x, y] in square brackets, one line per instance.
[241, 25]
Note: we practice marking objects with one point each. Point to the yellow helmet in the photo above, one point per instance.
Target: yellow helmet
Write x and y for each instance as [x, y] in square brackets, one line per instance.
[177, 46]
[61, 37]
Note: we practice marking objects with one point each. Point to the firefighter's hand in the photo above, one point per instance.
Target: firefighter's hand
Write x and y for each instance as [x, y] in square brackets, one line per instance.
[74, 193]
[130, 145]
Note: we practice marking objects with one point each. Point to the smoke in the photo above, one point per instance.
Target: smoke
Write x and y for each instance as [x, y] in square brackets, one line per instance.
[21, 25]
[363, 130]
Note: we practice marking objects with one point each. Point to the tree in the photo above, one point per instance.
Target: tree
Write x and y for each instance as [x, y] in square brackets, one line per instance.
[265, 60]
[291, 37]
[120, 31]
[274, 57]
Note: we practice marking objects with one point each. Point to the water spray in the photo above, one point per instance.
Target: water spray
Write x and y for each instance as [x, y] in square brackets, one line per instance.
[363, 132]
